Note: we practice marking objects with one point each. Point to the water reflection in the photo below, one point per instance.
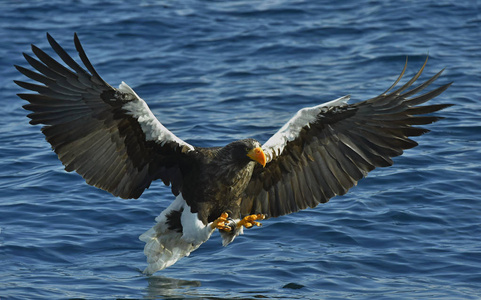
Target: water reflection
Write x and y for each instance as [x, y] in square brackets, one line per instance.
[161, 287]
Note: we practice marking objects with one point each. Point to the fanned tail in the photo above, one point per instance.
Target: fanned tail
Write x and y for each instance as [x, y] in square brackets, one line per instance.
[163, 248]
[177, 233]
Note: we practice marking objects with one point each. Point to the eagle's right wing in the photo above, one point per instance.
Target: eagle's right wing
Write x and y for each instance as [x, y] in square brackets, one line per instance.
[107, 135]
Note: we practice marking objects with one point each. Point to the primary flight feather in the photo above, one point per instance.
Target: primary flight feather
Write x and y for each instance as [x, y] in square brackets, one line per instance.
[111, 138]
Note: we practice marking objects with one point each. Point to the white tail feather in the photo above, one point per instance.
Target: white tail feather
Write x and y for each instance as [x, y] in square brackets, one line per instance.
[165, 249]
[165, 246]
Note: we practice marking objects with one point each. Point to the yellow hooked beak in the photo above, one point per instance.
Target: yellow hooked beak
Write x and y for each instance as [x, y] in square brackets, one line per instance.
[257, 155]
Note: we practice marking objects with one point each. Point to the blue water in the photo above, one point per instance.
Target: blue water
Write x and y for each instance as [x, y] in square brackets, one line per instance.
[217, 71]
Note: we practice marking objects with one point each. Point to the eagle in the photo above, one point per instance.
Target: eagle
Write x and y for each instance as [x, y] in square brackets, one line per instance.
[113, 140]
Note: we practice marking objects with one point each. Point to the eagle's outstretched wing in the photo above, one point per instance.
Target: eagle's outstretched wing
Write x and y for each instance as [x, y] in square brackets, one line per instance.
[107, 135]
[324, 150]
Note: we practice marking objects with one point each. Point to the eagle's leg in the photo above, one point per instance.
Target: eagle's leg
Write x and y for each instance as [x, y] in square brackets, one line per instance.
[221, 223]
[249, 221]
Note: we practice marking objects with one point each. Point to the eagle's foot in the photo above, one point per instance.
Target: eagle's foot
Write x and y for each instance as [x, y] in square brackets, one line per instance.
[250, 221]
[221, 223]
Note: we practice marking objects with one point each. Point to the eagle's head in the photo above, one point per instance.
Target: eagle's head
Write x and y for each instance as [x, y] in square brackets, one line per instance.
[244, 151]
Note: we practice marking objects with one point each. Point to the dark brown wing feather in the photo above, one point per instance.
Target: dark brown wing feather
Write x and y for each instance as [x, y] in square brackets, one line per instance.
[334, 151]
[91, 131]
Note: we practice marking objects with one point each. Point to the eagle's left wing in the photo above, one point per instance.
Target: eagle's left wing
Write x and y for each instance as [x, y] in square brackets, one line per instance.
[325, 150]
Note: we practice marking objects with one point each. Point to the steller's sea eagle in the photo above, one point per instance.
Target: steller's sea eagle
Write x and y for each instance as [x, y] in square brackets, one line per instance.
[111, 138]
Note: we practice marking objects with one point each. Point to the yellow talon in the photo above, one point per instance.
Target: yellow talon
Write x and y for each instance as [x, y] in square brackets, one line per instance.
[220, 223]
[249, 221]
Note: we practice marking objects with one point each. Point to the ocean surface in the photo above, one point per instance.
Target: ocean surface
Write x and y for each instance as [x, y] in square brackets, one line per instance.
[217, 71]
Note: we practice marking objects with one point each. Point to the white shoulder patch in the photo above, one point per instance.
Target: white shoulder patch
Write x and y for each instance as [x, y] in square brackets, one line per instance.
[290, 131]
[124, 88]
[153, 129]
